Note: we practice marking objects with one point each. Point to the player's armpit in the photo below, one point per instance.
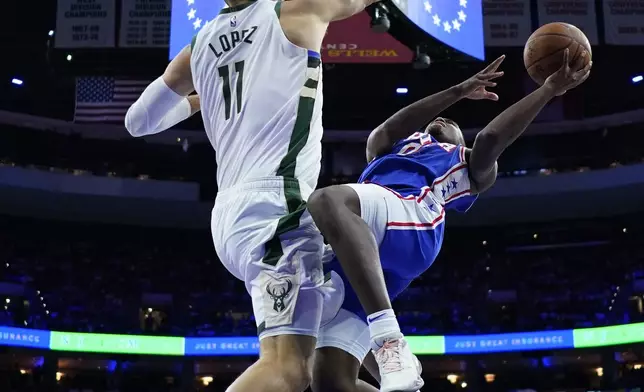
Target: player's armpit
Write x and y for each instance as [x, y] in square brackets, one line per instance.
[482, 169]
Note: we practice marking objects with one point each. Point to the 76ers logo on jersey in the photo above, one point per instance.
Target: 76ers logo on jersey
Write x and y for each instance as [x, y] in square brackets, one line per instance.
[233, 21]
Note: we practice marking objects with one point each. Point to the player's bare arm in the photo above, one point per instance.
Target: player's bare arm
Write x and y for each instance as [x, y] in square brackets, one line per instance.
[305, 21]
[512, 122]
[411, 118]
[163, 104]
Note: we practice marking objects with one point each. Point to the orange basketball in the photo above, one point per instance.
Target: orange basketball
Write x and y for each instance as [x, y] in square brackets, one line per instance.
[543, 53]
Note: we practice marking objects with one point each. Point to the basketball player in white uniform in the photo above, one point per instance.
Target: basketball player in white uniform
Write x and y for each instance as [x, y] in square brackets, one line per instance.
[257, 72]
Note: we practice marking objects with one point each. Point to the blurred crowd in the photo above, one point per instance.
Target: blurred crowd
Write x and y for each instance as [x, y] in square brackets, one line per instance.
[107, 278]
[341, 163]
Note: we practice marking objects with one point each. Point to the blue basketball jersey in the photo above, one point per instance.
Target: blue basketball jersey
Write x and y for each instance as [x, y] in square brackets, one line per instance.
[418, 170]
[419, 164]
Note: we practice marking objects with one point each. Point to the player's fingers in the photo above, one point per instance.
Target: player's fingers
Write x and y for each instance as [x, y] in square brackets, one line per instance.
[487, 83]
[494, 65]
[491, 75]
[565, 66]
[583, 78]
[491, 96]
[580, 62]
[583, 72]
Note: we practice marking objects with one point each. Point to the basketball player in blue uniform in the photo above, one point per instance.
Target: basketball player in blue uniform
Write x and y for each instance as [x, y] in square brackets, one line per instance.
[395, 214]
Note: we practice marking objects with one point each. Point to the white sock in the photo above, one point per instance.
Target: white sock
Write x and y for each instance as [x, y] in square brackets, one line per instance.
[383, 325]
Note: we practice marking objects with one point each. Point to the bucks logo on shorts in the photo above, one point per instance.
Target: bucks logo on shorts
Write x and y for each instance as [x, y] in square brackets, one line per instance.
[278, 293]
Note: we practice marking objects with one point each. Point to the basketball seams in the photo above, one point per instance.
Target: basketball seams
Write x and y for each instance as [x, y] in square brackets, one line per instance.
[570, 41]
[548, 42]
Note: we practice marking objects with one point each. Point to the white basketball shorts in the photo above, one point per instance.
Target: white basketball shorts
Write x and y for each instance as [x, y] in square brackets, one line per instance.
[404, 229]
[264, 235]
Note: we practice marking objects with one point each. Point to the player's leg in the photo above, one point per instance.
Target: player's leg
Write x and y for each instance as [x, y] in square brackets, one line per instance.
[335, 370]
[342, 344]
[338, 213]
[279, 259]
[284, 365]
[356, 207]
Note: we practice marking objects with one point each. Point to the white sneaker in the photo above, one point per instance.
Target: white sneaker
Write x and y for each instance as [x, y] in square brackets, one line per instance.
[399, 369]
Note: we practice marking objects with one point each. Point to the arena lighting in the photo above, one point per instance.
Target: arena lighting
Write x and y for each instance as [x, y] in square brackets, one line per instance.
[490, 377]
[51, 33]
[402, 90]
[599, 371]
[59, 376]
[17, 82]
[206, 380]
[463, 384]
[380, 22]
[69, 57]
[452, 378]
[637, 79]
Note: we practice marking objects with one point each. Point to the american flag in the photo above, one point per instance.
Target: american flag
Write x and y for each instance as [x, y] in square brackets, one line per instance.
[105, 99]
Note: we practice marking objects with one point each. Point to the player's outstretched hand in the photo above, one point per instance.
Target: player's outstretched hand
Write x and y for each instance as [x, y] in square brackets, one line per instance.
[569, 77]
[475, 87]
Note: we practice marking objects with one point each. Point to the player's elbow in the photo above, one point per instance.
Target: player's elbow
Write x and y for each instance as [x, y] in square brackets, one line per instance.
[136, 121]
[487, 138]
[488, 145]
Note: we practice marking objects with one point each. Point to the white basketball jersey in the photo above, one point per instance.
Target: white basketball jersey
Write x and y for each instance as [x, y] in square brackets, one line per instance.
[261, 96]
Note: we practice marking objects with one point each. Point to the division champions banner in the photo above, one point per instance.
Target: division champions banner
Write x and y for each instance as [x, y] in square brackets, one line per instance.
[580, 13]
[85, 24]
[624, 22]
[506, 22]
[145, 23]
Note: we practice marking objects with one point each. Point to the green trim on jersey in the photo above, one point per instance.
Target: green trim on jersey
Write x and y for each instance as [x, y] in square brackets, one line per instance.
[296, 205]
[278, 9]
[193, 42]
[237, 7]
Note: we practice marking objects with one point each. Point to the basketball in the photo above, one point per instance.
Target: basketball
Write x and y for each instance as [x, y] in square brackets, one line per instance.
[543, 53]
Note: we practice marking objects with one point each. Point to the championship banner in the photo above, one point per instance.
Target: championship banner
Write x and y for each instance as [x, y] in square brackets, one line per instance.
[352, 41]
[624, 22]
[506, 22]
[85, 24]
[145, 24]
[580, 13]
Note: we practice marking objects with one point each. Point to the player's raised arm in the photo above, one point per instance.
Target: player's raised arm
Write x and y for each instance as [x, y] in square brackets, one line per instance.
[164, 104]
[512, 122]
[332, 10]
[411, 118]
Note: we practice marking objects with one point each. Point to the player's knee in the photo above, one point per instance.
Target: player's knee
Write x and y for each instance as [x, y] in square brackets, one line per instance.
[324, 204]
[320, 200]
[294, 372]
[297, 372]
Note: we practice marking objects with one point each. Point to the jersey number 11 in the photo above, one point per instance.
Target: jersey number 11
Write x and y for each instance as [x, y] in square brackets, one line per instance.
[224, 74]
